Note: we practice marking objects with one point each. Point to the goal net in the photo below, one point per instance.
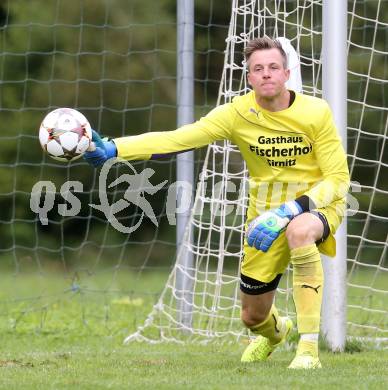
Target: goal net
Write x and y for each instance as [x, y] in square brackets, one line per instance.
[115, 61]
[200, 301]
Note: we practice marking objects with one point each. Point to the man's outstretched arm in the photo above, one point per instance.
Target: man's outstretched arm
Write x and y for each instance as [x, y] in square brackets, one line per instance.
[215, 126]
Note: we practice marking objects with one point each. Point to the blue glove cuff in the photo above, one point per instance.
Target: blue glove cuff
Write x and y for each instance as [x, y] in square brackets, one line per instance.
[295, 207]
[289, 210]
[111, 149]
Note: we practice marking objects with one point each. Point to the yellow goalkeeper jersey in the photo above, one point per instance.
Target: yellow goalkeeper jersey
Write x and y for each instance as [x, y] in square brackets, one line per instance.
[289, 153]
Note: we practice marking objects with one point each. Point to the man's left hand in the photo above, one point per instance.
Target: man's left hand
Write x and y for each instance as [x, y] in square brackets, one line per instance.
[265, 229]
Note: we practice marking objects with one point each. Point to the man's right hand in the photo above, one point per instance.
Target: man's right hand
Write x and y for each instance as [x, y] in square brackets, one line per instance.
[100, 150]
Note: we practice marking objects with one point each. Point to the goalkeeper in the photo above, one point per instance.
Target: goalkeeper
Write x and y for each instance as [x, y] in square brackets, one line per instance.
[288, 140]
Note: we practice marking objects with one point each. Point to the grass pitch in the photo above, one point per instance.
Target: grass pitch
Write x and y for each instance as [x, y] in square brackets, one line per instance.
[89, 362]
[67, 332]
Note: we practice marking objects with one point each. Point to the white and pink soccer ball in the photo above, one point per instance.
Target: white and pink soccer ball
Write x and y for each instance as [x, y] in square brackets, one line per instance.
[65, 134]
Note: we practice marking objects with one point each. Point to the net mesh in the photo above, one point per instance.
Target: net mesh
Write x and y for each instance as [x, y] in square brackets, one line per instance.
[116, 63]
[368, 163]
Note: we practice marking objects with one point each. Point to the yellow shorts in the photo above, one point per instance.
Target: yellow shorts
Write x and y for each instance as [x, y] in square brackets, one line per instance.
[264, 266]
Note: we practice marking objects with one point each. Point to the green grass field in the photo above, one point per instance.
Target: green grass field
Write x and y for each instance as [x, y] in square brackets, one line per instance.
[66, 332]
[37, 361]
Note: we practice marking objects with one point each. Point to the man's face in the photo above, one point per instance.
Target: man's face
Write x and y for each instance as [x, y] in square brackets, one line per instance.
[267, 75]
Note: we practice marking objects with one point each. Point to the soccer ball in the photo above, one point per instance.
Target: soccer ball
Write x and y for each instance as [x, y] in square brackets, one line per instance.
[65, 134]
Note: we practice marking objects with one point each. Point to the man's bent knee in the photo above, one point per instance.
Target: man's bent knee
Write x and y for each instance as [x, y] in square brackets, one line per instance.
[304, 231]
[299, 236]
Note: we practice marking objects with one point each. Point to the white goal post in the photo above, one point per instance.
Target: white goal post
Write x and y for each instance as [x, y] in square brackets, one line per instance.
[317, 29]
[334, 90]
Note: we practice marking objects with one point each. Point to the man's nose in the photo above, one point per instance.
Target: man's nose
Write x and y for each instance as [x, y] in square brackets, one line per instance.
[266, 73]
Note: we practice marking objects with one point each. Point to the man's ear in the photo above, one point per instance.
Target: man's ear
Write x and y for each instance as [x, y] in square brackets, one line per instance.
[249, 79]
[288, 72]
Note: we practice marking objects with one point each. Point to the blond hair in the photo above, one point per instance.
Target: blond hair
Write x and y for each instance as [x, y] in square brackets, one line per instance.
[264, 43]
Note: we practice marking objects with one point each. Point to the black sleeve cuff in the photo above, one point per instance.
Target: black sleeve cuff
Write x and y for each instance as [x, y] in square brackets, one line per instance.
[305, 203]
